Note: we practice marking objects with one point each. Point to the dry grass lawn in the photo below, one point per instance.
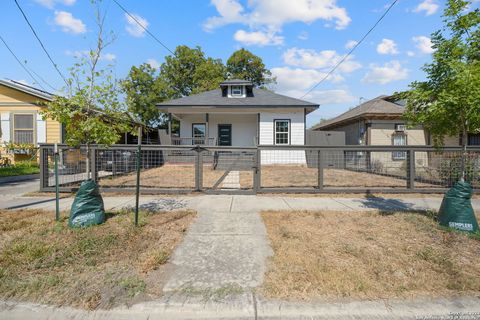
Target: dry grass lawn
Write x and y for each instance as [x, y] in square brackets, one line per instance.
[367, 255]
[183, 176]
[99, 267]
[302, 176]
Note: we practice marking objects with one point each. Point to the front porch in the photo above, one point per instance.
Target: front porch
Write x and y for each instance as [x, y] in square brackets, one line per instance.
[215, 129]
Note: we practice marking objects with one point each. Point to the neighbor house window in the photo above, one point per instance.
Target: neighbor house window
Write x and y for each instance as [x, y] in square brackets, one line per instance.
[198, 133]
[237, 91]
[474, 139]
[282, 131]
[399, 139]
[23, 129]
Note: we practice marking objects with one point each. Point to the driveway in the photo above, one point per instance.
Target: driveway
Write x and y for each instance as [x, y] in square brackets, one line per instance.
[11, 192]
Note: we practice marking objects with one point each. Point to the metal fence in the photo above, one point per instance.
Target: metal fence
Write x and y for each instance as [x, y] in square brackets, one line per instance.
[301, 169]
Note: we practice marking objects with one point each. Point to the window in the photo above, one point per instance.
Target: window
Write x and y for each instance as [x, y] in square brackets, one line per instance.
[282, 131]
[237, 91]
[474, 139]
[198, 133]
[399, 139]
[400, 127]
[23, 128]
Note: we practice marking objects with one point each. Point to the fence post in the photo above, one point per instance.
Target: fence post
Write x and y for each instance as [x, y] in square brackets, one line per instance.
[57, 192]
[43, 168]
[198, 169]
[411, 170]
[320, 169]
[137, 185]
[257, 172]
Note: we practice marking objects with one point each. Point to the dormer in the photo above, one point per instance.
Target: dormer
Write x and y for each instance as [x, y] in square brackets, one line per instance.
[236, 88]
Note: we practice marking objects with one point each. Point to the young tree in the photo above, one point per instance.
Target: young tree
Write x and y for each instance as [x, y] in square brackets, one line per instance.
[243, 64]
[90, 109]
[447, 103]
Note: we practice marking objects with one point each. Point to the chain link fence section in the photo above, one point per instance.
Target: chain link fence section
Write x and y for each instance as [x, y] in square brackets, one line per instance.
[173, 169]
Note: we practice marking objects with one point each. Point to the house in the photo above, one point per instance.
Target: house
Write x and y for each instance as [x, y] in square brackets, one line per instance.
[238, 114]
[380, 122]
[21, 123]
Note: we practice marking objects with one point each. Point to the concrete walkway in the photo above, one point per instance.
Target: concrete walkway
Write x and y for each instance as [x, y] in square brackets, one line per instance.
[226, 248]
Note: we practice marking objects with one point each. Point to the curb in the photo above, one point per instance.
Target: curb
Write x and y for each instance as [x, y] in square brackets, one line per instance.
[19, 178]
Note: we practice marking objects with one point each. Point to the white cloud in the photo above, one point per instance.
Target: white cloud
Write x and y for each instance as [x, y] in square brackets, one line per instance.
[424, 44]
[429, 6]
[275, 13]
[387, 46]
[307, 58]
[350, 44]
[153, 63]
[289, 79]
[133, 28]
[69, 23]
[51, 3]
[108, 57]
[257, 38]
[323, 97]
[410, 53]
[270, 15]
[390, 71]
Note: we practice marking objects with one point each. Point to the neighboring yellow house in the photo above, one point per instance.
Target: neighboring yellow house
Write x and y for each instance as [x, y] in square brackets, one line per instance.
[21, 122]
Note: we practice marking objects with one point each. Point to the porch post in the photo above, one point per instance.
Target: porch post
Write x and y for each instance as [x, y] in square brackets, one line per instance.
[207, 131]
[169, 124]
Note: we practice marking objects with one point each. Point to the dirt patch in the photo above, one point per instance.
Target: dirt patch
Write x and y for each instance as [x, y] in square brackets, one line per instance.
[367, 255]
[99, 267]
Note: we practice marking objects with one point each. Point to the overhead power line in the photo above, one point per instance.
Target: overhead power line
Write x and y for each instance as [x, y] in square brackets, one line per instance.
[351, 50]
[142, 26]
[40, 41]
[21, 64]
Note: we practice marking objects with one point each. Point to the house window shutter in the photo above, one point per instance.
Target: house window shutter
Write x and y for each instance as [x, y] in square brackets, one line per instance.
[5, 127]
[41, 130]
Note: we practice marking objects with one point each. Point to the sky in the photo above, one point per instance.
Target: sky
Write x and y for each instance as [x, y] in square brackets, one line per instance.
[299, 41]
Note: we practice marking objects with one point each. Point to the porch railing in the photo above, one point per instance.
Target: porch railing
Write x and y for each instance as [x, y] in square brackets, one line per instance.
[189, 141]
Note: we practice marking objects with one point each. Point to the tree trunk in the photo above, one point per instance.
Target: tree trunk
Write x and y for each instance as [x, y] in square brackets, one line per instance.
[464, 154]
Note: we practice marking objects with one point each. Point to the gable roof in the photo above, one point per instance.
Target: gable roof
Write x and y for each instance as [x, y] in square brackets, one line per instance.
[27, 89]
[379, 106]
[260, 98]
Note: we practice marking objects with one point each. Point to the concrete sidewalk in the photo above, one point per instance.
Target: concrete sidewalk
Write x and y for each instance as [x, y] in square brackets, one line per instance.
[249, 203]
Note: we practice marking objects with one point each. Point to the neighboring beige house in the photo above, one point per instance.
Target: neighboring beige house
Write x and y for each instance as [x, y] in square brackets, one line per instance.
[380, 122]
[21, 123]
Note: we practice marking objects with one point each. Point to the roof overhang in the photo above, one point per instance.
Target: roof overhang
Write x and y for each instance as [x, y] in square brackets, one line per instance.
[226, 108]
[28, 90]
[367, 117]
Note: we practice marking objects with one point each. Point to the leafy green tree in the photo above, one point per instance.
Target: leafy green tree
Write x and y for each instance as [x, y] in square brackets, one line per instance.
[243, 64]
[144, 88]
[209, 75]
[447, 103]
[90, 109]
[189, 71]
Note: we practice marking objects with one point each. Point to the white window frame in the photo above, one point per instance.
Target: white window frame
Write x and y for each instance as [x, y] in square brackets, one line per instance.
[34, 135]
[400, 127]
[282, 133]
[234, 88]
[399, 155]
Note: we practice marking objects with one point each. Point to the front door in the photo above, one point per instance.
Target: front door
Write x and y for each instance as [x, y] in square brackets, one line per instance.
[224, 134]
